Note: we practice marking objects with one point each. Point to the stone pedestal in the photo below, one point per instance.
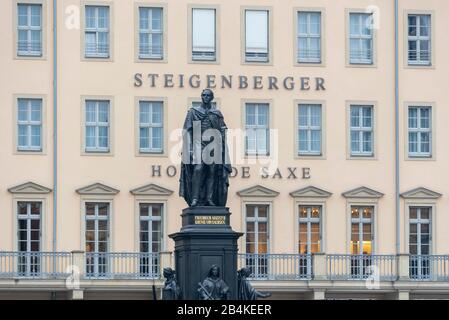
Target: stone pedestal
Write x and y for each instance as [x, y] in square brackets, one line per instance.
[205, 239]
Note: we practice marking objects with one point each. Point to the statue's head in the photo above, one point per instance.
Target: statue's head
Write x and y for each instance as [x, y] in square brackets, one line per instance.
[207, 96]
[168, 273]
[245, 272]
[214, 271]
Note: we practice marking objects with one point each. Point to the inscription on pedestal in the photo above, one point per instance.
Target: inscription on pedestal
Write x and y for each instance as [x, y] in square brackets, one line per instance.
[210, 220]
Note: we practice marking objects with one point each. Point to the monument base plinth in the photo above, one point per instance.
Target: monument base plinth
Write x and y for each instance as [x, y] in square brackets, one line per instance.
[205, 239]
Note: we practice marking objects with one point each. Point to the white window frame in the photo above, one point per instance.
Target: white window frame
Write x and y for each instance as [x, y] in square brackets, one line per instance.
[97, 30]
[418, 130]
[360, 37]
[28, 28]
[204, 55]
[149, 32]
[253, 56]
[308, 35]
[30, 123]
[150, 125]
[256, 127]
[97, 255]
[361, 129]
[361, 221]
[418, 38]
[309, 128]
[97, 125]
[150, 218]
[309, 220]
[29, 258]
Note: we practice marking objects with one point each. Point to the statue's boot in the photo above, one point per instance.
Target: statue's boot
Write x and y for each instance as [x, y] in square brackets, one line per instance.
[210, 192]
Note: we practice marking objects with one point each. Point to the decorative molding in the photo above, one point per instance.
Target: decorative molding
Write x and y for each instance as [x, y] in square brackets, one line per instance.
[420, 193]
[363, 192]
[29, 188]
[257, 191]
[310, 192]
[151, 190]
[97, 189]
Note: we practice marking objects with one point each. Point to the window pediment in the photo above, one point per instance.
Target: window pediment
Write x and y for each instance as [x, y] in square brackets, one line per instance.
[310, 192]
[151, 190]
[420, 193]
[97, 189]
[29, 188]
[363, 192]
[257, 191]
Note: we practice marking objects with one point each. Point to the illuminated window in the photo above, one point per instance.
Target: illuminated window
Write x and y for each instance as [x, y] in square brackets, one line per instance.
[361, 230]
[309, 229]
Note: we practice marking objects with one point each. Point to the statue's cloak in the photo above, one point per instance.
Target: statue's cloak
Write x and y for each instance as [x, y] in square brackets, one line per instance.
[222, 170]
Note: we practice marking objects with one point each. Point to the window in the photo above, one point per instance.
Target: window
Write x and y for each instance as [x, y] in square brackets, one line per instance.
[29, 29]
[419, 131]
[97, 238]
[150, 127]
[257, 129]
[203, 34]
[257, 239]
[419, 242]
[361, 230]
[150, 219]
[256, 35]
[362, 237]
[360, 38]
[419, 46]
[97, 126]
[309, 37]
[151, 33]
[309, 235]
[29, 122]
[29, 238]
[309, 229]
[309, 129]
[97, 32]
[361, 130]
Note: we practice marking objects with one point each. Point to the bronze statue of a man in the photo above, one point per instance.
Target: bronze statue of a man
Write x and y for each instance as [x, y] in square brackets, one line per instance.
[213, 287]
[205, 164]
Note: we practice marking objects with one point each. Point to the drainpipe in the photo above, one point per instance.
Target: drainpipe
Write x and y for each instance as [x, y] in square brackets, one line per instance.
[55, 125]
[396, 125]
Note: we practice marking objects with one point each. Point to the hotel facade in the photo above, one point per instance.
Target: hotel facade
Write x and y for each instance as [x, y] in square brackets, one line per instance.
[336, 112]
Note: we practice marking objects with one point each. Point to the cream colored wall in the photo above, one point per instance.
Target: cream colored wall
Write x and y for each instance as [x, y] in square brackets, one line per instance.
[124, 171]
[429, 85]
[22, 77]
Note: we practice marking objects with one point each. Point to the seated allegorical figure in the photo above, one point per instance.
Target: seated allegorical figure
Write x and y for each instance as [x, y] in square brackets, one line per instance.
[245, 289]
